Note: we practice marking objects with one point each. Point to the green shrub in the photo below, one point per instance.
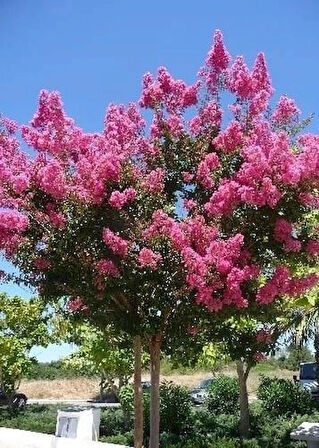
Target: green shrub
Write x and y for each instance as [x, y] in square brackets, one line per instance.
[32, 418]
[203, 421]
[284, 397]
[225, 443]
[112, 422]
[223, 396]
[126, 397]
[120, 439]
[175, 408]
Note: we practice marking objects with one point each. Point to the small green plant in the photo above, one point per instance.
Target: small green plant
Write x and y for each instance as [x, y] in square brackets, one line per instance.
[126, 397]
[223, 396]
[283, 397]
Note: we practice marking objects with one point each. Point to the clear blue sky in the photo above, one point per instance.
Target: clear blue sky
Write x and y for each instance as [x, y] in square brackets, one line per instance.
[95, 52]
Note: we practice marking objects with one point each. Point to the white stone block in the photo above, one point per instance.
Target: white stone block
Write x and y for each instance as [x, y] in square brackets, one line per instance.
[81, 425]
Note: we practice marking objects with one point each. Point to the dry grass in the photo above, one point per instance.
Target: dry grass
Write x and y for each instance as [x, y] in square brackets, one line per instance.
[69, 388]
[81, 388]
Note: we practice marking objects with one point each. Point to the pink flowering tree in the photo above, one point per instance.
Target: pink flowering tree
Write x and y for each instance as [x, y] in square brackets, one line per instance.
[137, 224]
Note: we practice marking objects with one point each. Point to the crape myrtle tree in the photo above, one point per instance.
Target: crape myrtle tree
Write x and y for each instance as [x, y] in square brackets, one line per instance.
[137, 224]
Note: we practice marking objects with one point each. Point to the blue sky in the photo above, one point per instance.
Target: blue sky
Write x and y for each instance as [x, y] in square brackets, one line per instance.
[95, 52]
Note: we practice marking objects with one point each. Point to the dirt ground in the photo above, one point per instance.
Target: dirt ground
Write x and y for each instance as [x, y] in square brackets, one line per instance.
[81, 388]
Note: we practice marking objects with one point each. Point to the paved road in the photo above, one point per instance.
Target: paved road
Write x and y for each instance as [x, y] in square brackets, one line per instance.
[80, 403]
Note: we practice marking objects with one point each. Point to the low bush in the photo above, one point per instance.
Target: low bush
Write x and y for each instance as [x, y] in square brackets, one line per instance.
[223, 395]
[113, 422]
[284, 397]
[175, 408]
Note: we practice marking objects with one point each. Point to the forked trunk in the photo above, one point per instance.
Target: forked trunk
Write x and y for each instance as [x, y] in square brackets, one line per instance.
[244, 424]
[138, 393]
[155, 354]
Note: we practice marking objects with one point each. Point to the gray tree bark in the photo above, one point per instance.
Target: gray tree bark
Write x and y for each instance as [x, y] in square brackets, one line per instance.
[138, 393]
[155, 353]
[244, 424]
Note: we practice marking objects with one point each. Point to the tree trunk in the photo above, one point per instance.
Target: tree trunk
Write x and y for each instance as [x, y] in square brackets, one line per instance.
[316, 347]
[244, 425]
[138, 393]
[155, 353]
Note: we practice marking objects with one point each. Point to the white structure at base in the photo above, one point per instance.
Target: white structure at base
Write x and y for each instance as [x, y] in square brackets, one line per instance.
[80, 425]
[16, 438]
[308, 432]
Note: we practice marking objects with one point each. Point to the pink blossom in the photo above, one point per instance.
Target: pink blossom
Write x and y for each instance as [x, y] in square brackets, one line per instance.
[208, 118]
[175, 125]
[283, 233]
[187, 176]
[205, 168]
[148, 258]
[264, 337]
[286, 110]
[313, 248]
[107, 268]
[239, 80]
[260, 76]
[119, 199]
[77, 304]
[231, 138]
[309, 199]
[154, 181]
[216, 62]
[189, 204]
[41, 263]
[258, 356]
[52, 180]
[118, 245]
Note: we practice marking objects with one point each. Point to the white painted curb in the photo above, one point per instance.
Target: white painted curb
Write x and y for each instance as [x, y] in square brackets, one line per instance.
[16, 438]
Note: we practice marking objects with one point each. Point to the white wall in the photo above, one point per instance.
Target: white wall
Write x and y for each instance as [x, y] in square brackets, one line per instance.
[16, 438]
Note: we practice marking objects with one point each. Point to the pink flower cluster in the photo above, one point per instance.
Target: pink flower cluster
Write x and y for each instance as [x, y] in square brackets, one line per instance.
[57, 219]
[264, 337]
[216, 63]
[254, 86]
[283, 234]
[203, 255]
[209, 118]
[281, 283]
[231, 138]
[119, 199]
[118, 245]
[77, 305]
[148, 258]
[286, 111]
[41, 263]
[205, 168]
[313, 248]
[154, 181]
[12, 226]
[107, 268]
[173, 94]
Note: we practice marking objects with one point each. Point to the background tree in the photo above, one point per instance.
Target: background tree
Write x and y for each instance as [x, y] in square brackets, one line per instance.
[103, 354]
[23, 324]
